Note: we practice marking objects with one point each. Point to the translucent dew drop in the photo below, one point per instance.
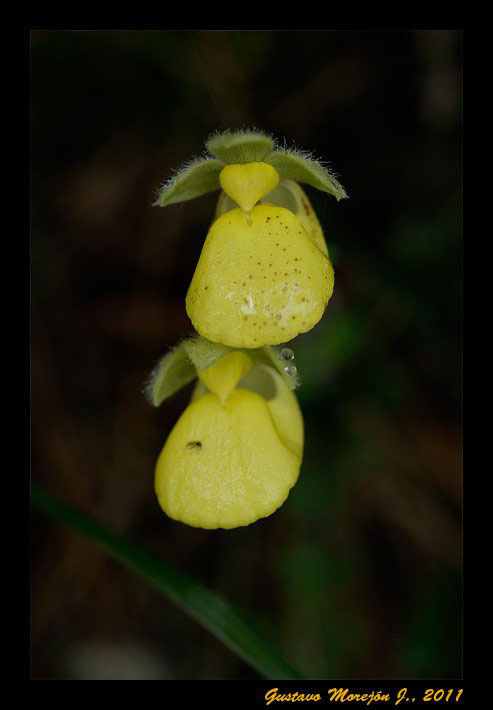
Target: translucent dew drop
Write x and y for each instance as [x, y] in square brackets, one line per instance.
[291, 370]
[286, 354]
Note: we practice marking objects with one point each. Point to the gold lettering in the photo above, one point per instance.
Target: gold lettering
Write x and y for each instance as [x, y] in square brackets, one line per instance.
[270, 695]
[338, 694]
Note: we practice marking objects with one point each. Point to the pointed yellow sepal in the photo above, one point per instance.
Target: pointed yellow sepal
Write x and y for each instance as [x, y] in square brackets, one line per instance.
[247, 184]
[227, 464]
[222, 377]
[261, 283]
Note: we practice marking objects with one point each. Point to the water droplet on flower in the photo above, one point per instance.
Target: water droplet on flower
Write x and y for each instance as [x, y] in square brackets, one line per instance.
[290, 370]
[286, 354]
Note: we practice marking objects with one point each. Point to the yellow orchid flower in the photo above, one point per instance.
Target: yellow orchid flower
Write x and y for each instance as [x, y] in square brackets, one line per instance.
[264, 274]
[262, 277]
[236, 451]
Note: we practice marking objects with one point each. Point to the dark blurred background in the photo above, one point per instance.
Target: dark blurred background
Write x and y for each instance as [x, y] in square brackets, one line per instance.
[358, 575]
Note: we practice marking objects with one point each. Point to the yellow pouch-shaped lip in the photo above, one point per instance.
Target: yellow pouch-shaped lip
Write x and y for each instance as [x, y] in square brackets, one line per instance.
[225, 465]
[290, 195]
[281, 401]
[258, 283]
[302, 208]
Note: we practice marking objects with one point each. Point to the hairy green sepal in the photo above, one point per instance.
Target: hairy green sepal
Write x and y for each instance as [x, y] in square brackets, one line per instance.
[204, 353]
[173, 372]
[299, 166]
[201, 176]
[192, 180]
[196, 354]
[180, 366]
[239, 147]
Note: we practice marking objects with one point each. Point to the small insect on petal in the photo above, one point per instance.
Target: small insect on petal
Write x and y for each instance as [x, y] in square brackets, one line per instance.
[229, 463]
[224, 465]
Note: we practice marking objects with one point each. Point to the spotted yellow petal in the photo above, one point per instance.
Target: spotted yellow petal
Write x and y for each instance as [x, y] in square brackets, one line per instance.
[291, 195]
[225, 465]
[246, 184]
[258, 283]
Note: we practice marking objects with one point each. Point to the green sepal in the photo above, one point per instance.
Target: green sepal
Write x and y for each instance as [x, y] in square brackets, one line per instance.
[196, 354]
[272, 355]
[174, 371]
[181, 365]
[239, 147]
[204, 353]
[300, 166]
[192, 180]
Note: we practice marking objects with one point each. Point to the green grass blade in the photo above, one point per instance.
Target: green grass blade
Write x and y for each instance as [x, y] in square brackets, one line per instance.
[202, 604]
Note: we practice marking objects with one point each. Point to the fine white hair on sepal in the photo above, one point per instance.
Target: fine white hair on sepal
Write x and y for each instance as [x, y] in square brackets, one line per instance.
[243, 145]
[303, 166]
[148, 387]
[238, 133]
[177, 173]
[172, 372]
[150, 381]
[309, 155]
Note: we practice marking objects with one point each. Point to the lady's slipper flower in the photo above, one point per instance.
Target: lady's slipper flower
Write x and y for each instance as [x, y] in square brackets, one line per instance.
[264, 274]
[236, 451]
